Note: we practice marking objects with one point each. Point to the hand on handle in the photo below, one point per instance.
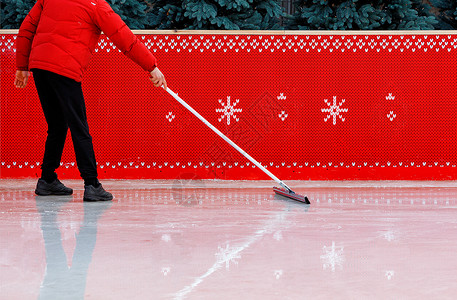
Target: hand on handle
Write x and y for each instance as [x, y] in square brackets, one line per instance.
[157, 78]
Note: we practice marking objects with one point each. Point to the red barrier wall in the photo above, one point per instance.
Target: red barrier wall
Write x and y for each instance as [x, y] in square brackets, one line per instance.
[333, 106]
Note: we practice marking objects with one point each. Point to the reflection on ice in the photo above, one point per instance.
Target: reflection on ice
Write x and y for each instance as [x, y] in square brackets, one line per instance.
[332, 257]
[191, 240]
[61, 280]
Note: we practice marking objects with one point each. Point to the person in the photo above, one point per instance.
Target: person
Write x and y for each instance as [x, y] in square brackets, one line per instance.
[55, 43]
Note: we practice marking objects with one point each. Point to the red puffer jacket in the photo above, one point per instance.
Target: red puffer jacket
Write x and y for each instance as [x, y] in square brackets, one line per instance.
[60, 36]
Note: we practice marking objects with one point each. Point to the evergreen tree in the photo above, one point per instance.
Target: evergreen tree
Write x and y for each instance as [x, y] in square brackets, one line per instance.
[133, 12]
[446, 12]
[361, 14]
[166, 15]
[267, 14]
[409, 15]
[13, 12]
[215, 14]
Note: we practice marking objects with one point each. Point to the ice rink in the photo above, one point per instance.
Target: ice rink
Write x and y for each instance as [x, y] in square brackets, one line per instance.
[230, 240]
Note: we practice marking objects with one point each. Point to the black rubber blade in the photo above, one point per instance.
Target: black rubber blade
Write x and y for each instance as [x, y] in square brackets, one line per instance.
[291, 195]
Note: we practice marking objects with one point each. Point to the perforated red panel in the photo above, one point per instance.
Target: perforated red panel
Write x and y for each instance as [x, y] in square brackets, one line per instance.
[305, 106]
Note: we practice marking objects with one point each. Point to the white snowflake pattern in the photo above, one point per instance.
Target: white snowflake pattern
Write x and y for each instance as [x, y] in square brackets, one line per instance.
[228, 110]
[278, 236]
[391, 116]
[333, 256]
[166, 270]
[334, 110]
[170, 116]
[166, 237]
[389, 235]
[283, 115]
[227, 255]
[389, 274]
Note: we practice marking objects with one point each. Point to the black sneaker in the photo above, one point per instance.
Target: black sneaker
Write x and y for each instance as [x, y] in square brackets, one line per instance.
[54, 188]
[92, 193]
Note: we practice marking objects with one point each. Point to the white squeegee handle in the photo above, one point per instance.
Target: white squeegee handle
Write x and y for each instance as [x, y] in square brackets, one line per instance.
[228, 140]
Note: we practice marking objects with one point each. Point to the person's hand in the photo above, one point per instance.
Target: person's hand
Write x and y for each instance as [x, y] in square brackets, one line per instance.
[22, 77]
[157, 78]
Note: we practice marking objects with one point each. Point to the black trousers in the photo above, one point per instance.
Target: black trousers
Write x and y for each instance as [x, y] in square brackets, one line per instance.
[63, 105]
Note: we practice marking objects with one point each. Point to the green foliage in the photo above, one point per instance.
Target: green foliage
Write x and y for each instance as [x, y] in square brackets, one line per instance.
[13, 12]
[360, 14]
[215, 14]
[133, 13]
[268, 14]
[409, 15]
[446, 12]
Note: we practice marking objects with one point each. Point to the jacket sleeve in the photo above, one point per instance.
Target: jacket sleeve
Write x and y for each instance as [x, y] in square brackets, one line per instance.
[119, 33]
[25, 36]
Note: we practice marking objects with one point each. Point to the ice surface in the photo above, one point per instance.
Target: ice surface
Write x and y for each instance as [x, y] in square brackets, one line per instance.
[230, 240]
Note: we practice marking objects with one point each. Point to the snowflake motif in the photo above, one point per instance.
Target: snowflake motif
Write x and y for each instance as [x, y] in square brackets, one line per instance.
[278, 236]
[283, 115]
[227, 255]
[389, 235]
[166, 270]
[391, 116]
[170, 116]
[278, 273]
[390, 97]
[389, 274]
[166, 237]
[228, 110]
[334, 110]
[333, 256]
